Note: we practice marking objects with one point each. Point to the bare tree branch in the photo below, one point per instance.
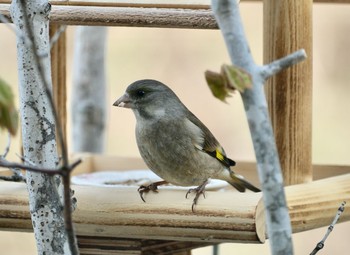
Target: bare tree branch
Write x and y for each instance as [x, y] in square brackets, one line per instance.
[26, 21]
[282, 63]
[320, 244]
[57, 35]
[18, 33]
[63, 171]
[17, 175]
[279, 228]
[7, 148]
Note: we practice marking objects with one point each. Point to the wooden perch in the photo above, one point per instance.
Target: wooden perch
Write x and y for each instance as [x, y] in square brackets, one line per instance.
[128, 16]
[221, 217]
[192, 4]
[194, 14]
[119, 212]
[313, 205]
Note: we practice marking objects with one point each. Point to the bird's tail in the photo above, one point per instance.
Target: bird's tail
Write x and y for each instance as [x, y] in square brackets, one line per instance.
[240, 183]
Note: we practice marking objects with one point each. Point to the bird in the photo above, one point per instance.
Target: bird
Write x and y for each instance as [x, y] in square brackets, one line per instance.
[174, 143]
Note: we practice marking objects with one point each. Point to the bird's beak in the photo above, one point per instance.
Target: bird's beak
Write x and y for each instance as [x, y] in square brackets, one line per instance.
[123, 101]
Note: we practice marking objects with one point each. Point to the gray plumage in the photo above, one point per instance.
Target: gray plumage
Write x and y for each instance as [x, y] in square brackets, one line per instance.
[173, 142]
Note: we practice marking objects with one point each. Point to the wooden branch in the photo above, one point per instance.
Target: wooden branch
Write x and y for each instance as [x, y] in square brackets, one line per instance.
[167, 215]
[131, 17]
[287, 28]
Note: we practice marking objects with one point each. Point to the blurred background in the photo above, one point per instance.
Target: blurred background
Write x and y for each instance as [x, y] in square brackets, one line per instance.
[179, 58]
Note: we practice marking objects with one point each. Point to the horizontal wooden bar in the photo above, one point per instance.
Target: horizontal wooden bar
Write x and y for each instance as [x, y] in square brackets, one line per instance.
[128, 16]
[191, 4]
[194, 14]
[133, 17]
[221, 217]
[167, 215]
[183, 4]
[313, 205]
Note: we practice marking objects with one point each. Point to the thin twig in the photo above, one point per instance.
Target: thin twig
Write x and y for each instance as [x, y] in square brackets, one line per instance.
[320, 244]
[60, 171]
[7, 148]
[57, 35]
[26, 160]
[7, 22]
[282, 63]
[16, 177]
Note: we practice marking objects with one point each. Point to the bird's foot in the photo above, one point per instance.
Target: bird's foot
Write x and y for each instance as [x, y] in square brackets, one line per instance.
[200, 190]
[152, 187]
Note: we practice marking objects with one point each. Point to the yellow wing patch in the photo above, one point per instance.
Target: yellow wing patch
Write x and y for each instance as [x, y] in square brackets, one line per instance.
[219, 156]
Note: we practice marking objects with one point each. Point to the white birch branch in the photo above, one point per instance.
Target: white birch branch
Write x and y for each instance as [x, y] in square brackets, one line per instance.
[38, 125]
[320, 244]
[269, 170]
[89, 90]
[278, 65]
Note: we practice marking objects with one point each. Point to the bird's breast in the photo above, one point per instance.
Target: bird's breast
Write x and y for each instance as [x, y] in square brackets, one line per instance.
[168, 150]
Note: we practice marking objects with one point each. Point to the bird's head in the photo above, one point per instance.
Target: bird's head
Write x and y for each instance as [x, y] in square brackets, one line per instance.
[149, 98]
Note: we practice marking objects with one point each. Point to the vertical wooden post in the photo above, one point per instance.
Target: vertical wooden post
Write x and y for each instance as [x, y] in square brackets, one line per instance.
[58, 69]
[288, 27]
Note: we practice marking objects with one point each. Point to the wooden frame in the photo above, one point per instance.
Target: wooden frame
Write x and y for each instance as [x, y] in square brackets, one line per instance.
[311, 205]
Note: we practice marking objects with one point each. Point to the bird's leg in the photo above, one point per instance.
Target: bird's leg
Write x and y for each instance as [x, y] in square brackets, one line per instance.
[152, 187]
[200, 190]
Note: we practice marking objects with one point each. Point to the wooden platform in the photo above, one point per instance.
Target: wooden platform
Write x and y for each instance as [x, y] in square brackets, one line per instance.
[116, 218]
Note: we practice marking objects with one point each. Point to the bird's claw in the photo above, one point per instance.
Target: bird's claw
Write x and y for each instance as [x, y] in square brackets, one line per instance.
[200, 190]
[145, 189]
[152, 187]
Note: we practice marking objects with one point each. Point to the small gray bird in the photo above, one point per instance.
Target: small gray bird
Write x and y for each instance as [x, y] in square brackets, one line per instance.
[174, 143]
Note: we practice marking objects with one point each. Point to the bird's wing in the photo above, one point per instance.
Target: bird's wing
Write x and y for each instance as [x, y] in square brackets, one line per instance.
[206, 142]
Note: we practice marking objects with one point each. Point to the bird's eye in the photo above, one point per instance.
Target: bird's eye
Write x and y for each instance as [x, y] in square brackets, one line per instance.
[140, 93]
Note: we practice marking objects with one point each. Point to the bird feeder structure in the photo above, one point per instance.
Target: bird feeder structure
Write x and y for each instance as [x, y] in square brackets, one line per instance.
[121, 223]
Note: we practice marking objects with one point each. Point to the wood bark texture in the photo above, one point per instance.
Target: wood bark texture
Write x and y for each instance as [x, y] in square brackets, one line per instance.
[287, 28]
[129, 17]
[89, 99]
[38, 125]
